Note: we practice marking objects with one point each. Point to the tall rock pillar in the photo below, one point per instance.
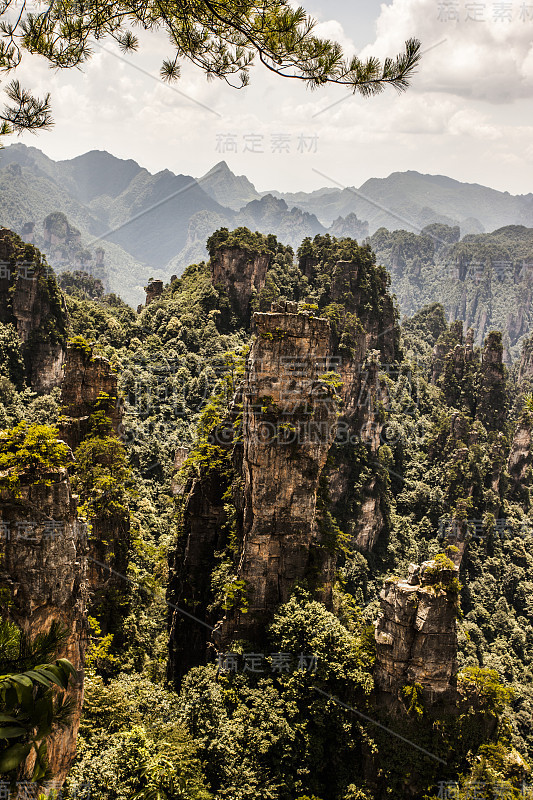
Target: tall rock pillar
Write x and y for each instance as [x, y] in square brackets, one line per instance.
[289, 425]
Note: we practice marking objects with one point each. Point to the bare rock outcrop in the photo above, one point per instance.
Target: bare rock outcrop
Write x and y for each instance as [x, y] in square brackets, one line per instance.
[241, 273]
[277, 433]
[86, 378]
[304, 424]
[44, 571]
[30, 299]
[153, 291]
[289, 425]
[89, 389]
[416, 633]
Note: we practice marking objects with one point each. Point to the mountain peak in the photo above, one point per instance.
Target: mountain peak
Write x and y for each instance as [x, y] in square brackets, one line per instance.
[228, 189]
[222, 165]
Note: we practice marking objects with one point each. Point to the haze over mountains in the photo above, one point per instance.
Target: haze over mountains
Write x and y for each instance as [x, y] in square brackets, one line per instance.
[155, 225]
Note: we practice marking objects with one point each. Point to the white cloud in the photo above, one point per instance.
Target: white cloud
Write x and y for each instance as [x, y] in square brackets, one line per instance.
[333, 29]
[450, 121]
[486, 59]
[476, 125]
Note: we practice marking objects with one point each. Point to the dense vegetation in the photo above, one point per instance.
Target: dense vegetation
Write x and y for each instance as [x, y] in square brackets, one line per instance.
[282, 735]
[483, 279]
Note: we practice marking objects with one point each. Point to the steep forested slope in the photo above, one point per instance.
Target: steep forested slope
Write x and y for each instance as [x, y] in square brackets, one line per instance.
[421, 494]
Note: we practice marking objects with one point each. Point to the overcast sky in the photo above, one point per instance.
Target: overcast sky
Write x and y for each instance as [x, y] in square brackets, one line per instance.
[468, 113]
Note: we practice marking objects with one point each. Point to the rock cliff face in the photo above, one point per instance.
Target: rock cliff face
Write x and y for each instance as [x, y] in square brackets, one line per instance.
[241, 274]
[86, 377]
[416, 633]
[90, 386]
[288, 421]
[310, 425]
[369, 340]
[451, 353]
[525, 369]
[363, 517]
[31, 301]
[63, 246]
[289, 425]
[191, 566]
[492, 402]
[43, 567]
[153, 291]
[520, 460]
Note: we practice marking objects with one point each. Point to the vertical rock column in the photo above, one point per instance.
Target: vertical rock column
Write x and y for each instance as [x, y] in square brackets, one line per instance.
[30, 299]
[43, 568]
[416, 633]
[87, 378]
[289, 425]
[492, 404]
[241, 273]
[520, 460]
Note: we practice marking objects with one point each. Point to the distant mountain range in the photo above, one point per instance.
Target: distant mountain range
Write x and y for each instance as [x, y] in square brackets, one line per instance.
[155, 225]
[486, 279]
[410, 201]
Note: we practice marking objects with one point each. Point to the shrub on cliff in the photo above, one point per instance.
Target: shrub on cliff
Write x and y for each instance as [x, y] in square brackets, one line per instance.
[30, 452]
[241, 238]
[280, 733]
[81, 285]
[102, 477]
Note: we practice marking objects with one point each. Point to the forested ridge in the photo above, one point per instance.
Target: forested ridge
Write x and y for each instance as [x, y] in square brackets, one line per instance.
[438, 476]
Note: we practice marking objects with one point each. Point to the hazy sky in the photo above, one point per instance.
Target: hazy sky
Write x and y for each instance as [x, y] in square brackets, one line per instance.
[468, 113]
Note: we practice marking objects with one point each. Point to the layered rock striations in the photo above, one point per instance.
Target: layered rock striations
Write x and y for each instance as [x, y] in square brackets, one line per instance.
[87, 379]
[241, 273]
[289, 425]
[416, 633]
[44, 570]
[31, 300]
[278, 432]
